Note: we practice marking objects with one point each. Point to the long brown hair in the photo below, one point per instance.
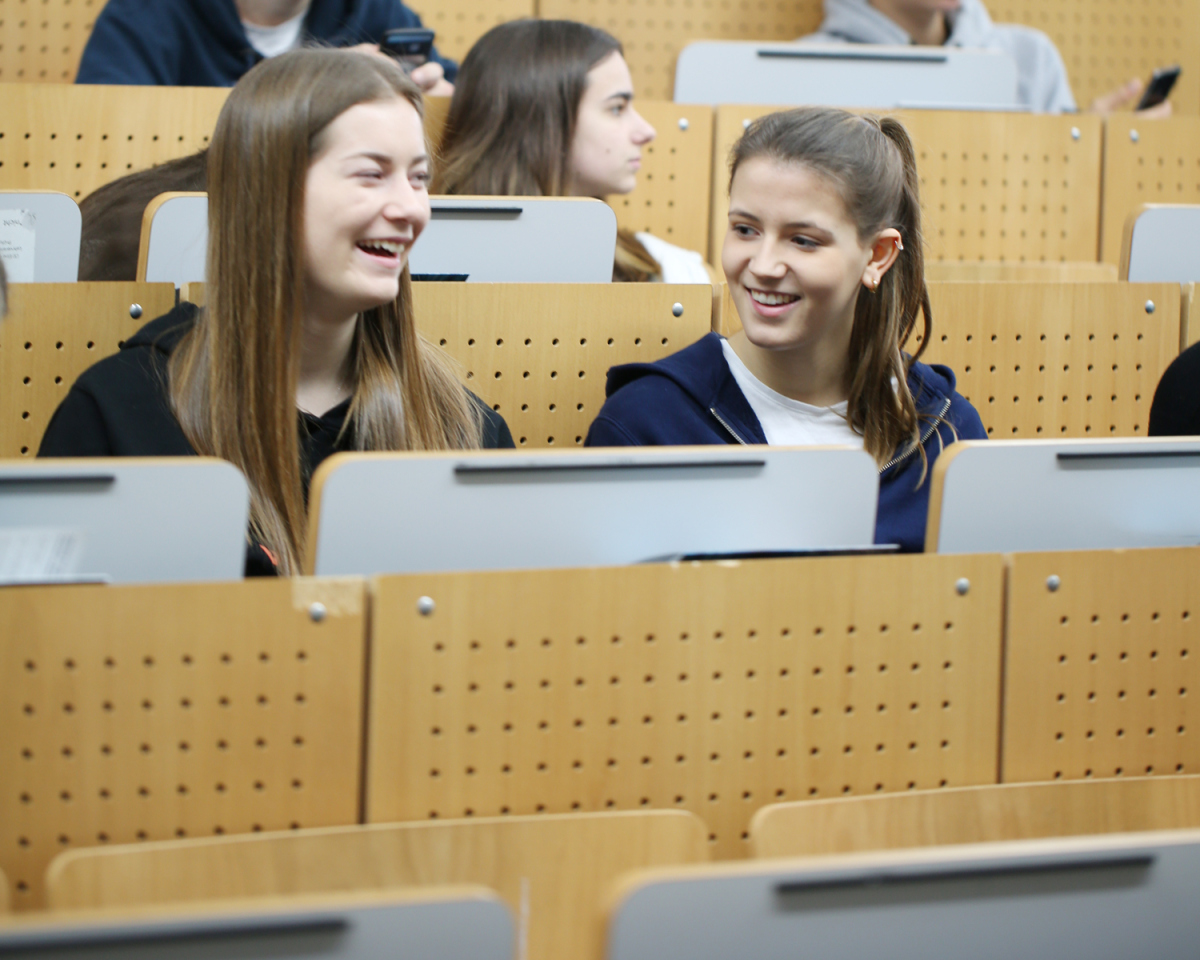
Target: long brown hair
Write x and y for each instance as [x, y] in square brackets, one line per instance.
[870, 161]
[233, 379]
[513, 116]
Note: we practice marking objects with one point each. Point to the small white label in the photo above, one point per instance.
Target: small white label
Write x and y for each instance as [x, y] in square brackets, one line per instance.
[18, 231]
[39, 553]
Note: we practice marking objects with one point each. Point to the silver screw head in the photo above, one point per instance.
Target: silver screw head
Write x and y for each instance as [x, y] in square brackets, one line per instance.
[426, 606]
[1053, 582]
[1076, 133]
[1150, 308]
[135, 311]
[317, 612]
[962, 586]
[1134, 136]
[683, 123]
[677, 310]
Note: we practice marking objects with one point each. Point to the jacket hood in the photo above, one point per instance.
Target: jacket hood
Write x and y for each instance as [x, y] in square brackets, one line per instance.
[856, 21]
[701, 371]
[165, 332]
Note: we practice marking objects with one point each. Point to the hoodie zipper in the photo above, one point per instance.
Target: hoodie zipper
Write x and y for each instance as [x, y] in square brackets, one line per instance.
[928, 433]
[721, 420]
[887, 466]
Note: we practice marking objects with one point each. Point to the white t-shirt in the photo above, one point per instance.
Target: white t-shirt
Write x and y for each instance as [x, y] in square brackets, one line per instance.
[679, 265]
[272, 41]
[788, 422]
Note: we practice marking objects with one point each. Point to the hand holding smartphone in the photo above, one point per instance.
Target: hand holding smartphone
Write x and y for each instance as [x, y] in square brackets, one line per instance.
[410, 46]
[1159, 87]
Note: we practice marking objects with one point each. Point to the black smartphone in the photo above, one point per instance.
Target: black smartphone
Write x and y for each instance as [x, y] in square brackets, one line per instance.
[411, 46]
[1159, 86]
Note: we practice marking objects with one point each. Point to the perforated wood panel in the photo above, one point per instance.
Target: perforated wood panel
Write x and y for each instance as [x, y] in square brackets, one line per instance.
[994, 186]
[654, 31]
[671, 198]
[55, 331]
[553, 871]
[1101, 671]
[713, 688]
[459, 23]
[538, 353]
[77, 138]
[1020, 811]
[42, 40]
[1106, 42]
[1146, 162]
[1044, 360]
[144, 713]
[961, 271]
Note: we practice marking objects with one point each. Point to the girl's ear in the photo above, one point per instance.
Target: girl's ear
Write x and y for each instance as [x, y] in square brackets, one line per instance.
[885, 248]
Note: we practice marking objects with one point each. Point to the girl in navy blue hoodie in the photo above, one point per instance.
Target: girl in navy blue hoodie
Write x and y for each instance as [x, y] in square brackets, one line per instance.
[824, 261]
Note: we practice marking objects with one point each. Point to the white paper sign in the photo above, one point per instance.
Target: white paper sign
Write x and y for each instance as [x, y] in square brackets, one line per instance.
[31, 554]
[18, 230]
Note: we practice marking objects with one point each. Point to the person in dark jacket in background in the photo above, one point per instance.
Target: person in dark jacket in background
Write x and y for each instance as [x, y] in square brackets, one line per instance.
[824, 260]
[1175, 411]
[308, 344]
[212, 43]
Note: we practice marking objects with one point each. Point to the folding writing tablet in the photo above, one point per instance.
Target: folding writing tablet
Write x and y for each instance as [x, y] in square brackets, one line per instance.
[464, 922]
[139, 520]
[381, 513]
[844, 75]
[1023, 495]
[1080, 899]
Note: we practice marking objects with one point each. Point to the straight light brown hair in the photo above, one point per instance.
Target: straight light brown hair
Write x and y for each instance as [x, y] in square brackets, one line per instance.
[513, 117]
[233, 379]
[870, 162]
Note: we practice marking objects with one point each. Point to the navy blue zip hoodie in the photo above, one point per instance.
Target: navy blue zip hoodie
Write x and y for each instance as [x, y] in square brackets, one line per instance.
[201, 43]
[691, 397]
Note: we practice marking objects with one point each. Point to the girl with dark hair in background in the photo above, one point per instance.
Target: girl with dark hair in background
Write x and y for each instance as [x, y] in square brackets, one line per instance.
[544, 108]
[317, 186]
[825, 265]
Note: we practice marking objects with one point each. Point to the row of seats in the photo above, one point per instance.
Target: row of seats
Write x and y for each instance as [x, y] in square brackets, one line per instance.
[996, 186]
[556, 872]
[525, 240]
[152, 712]
[1101, 49]
[1038, 360]
[119, 520]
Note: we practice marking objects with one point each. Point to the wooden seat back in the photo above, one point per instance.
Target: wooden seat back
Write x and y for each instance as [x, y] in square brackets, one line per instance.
[714, 688]
[1010, 811]
[552, 871]
[151, 712]
[55, 331]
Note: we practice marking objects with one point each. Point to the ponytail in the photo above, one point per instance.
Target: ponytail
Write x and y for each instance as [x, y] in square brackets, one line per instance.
[871, 163]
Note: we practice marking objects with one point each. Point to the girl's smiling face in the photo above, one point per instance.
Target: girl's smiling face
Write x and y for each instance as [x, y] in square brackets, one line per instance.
[794, 260]
[366, 201]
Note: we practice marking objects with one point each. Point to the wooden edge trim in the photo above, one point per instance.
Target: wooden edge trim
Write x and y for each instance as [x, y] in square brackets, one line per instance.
[1187, 296]
[937, 482]
[148, 221]
[316, 490]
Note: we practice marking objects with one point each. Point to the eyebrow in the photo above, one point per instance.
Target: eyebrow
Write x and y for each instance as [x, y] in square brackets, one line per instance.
[383, 158]
[624, 95]
[795, 225]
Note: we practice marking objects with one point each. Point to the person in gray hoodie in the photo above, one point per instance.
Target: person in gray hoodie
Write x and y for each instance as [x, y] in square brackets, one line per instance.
[1041, 75]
